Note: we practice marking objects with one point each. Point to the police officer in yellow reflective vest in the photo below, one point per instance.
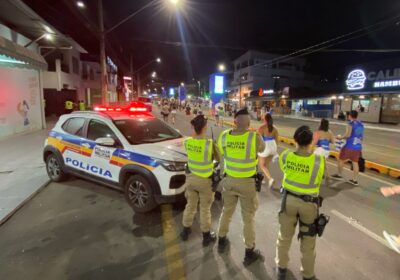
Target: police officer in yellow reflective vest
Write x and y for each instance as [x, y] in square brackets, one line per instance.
[200, 152]
[239, 148]
[69, 106]
[303, 173]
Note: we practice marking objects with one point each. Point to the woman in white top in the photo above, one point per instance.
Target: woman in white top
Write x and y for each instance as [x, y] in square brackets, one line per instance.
[270, 135]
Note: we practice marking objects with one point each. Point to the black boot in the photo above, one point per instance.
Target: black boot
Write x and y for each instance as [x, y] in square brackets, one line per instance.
[281, 273]
[208, 237]
[251, 256]
[222, 243]
[185, 233]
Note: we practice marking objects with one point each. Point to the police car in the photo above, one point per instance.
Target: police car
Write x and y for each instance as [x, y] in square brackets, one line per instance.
[127, 148]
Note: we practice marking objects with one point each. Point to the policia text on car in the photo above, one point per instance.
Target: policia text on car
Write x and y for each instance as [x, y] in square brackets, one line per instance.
[239, 149]
[200, 168]
[303, 173]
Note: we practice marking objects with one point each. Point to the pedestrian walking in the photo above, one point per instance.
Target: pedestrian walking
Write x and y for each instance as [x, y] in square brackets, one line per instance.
[303, 172]
[394, 241]
[165, 111]
[322, 139]
[270, 136]
[352, 149]
[239, 148]
[173, 113]
[221, 115]
[201, 152]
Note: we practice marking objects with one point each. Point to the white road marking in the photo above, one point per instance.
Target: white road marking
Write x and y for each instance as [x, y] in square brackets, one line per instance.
[354, 223]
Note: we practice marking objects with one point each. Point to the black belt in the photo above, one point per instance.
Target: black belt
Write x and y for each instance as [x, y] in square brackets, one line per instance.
[305, 198]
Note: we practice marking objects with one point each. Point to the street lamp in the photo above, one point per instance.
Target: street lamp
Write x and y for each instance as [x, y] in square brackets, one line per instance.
[158, 60]
[182, 84]
[80, 4]
[154, 74]
[221, 67]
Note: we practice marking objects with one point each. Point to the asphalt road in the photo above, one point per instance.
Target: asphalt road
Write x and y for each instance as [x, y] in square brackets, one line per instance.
[80, 230]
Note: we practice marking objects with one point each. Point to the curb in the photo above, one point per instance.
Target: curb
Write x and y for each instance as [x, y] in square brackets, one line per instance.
[22, 204]
[373, 166]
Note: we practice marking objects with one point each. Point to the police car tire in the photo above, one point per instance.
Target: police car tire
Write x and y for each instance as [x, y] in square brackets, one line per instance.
[139, 183]
[53, 162]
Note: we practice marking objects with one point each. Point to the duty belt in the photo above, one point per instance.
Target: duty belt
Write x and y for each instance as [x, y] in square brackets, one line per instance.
[306, 198]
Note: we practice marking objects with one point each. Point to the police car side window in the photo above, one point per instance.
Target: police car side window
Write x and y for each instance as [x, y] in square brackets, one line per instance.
[74, 126]
[98, 129]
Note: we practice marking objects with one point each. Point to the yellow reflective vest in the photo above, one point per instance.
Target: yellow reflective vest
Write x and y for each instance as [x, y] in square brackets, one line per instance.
[302, 175]
[240, 155]
[69, 105]
[199, 152]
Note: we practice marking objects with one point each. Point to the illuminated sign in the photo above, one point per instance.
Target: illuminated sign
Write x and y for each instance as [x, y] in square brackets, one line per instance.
[171, 92]
[112, 64]
[219, 85]
[268, 91]
[356, 80]
[384, 84]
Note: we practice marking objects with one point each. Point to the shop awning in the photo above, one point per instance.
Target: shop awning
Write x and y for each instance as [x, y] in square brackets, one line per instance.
[14, 55]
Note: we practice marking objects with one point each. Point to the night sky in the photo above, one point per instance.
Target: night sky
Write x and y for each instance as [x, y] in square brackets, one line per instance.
[220, 30]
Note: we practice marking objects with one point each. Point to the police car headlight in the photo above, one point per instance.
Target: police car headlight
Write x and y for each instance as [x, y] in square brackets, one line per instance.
[173, 166]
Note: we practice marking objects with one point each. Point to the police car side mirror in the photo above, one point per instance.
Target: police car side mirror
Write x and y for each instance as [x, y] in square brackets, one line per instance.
[105, 141]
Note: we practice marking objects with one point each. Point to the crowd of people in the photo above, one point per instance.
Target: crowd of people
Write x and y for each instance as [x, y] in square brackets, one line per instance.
[169, 109]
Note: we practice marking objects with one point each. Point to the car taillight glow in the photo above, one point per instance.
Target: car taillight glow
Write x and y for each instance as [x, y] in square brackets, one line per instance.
[101, 109]
[136, 109]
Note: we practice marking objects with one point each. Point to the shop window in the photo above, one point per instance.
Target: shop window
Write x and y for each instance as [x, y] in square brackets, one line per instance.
[312, 102]
[361, 105]
[75, 65]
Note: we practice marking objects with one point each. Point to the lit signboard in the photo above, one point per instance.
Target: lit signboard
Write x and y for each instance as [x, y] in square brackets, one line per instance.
[384, 84]
[171, 92]
[356, 80]
[219, 84]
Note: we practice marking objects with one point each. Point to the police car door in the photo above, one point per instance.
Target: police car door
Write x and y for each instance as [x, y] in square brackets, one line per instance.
[99, 157]
[69, 140]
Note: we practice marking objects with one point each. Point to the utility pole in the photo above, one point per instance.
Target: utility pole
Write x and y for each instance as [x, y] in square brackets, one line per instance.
[132, 76]
[103, 66]
[139, 88]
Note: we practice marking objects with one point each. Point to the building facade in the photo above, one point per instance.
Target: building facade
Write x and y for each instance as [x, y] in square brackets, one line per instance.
[257, 70]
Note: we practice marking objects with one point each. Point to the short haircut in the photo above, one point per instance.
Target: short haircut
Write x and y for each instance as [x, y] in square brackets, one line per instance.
[199, 123]
[354, 114]
[303, 136]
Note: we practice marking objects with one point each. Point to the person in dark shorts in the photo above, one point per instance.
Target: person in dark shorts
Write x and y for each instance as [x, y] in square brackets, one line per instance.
[352, 150]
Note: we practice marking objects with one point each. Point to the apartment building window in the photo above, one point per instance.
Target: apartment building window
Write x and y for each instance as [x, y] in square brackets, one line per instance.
[91, 74]
[238, 66]
[245, 64]
[84, 72]
[75, 65]
[251, 62]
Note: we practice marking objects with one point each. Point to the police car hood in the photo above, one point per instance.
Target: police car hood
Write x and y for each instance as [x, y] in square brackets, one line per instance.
[171, 150]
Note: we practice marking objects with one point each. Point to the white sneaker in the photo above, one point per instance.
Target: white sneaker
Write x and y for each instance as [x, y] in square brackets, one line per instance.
[275, 158]
[271, 182]
[393, 241]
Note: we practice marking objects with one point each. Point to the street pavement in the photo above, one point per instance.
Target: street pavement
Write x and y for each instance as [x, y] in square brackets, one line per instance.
[80, 230]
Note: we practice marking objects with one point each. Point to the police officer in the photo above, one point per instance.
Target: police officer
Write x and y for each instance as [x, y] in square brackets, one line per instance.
[200, 152]
[303, 172]
[69, 106]
[82, 106]
[239, 148]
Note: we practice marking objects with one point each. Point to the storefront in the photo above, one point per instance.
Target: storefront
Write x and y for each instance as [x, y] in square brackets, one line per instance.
[21, 94]
[373, 90]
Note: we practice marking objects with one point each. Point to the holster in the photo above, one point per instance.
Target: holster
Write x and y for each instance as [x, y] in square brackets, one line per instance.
[216, 178]
[283, 201]
[258, 178]
[315, 228]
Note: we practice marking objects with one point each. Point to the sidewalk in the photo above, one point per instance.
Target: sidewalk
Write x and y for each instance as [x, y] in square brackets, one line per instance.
[22, 170]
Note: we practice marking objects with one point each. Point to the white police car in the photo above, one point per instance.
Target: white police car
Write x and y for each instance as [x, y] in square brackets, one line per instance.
[126, 148]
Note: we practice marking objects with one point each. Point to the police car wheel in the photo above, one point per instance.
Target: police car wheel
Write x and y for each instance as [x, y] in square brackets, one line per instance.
[54, 170]
[139, 194]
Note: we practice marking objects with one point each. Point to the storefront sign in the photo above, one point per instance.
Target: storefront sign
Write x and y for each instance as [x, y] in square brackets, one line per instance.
[367, 79]
[356, 80]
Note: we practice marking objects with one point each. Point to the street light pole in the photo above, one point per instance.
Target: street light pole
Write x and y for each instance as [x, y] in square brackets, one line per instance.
[103, 67]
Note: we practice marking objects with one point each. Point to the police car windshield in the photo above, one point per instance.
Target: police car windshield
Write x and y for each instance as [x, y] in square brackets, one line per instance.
[141, 131]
